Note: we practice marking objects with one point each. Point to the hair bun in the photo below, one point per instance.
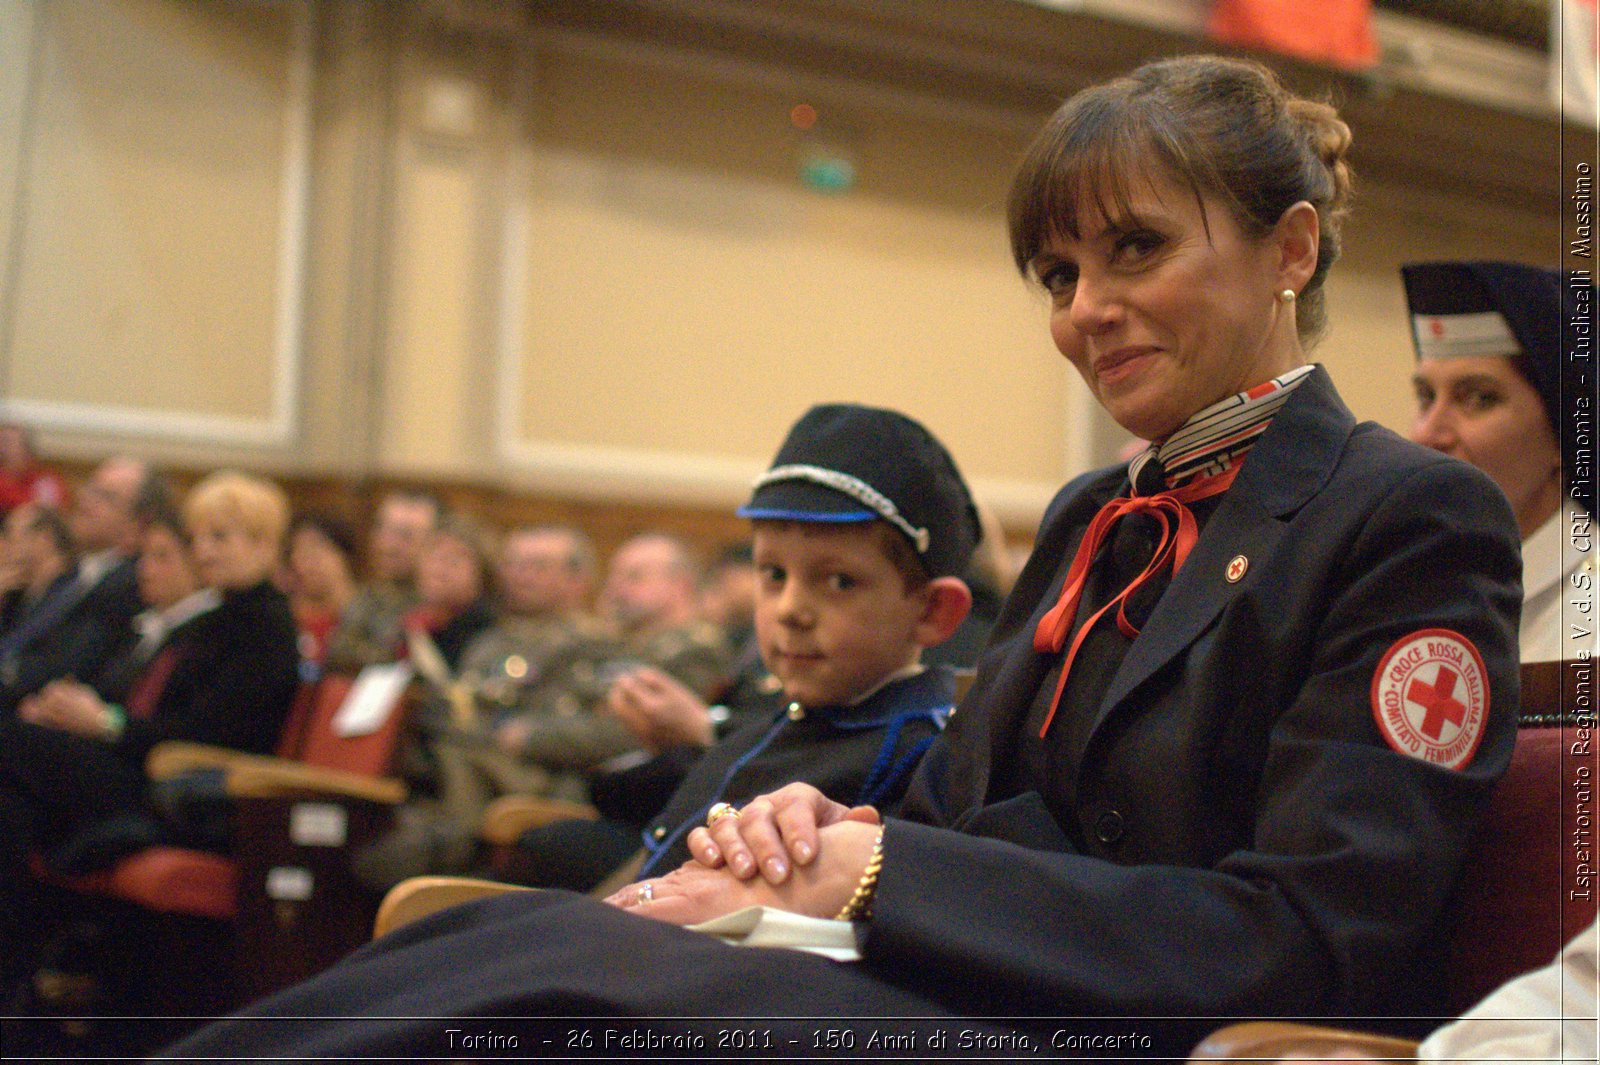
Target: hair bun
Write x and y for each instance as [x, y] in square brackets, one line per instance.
[1329, 138]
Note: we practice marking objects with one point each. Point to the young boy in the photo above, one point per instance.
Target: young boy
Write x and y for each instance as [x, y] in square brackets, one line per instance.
[860, 529]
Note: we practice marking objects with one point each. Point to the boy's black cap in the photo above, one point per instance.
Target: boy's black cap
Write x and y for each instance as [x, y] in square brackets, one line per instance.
[847, 463]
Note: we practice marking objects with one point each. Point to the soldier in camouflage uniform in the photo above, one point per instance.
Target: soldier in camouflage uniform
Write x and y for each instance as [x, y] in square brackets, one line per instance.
[546, 577]
[370, 629]
[529, 718]
[650, 603]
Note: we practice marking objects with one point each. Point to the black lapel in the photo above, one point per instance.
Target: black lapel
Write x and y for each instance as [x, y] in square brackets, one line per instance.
[984, 731]
[1291, 463]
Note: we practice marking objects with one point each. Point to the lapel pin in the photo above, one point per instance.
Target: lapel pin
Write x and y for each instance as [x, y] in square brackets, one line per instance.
[1236, 569]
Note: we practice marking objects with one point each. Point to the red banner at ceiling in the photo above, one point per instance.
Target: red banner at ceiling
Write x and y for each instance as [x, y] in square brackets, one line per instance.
[1336, 32]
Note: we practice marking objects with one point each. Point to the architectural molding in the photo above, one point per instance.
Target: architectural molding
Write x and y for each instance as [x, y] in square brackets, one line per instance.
[281, 427]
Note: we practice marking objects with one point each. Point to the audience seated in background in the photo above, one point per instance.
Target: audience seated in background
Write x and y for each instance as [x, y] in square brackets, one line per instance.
[455, 573]
[649, 604]
[845, 604]
[72, 778]
[175, 599]
[38, 571]
[321, 581]
[1489, 384]
[370, 627]
[662, 712]
[553, 735]
[23, 478]
[545, 577]
[92, 625]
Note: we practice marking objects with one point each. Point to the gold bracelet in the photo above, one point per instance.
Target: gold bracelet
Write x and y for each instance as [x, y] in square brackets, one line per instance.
[859, 908]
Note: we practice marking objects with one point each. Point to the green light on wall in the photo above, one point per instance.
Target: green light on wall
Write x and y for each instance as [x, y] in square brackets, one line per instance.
[824, 157]
[827, 173]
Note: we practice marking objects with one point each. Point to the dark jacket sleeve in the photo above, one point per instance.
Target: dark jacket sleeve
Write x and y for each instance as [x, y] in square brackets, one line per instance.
[95, 630]
[234, 682]
[1350, 851]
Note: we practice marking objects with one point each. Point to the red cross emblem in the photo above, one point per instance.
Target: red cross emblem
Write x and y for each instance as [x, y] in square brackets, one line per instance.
[1425, 681]
[1436, 698]
[1236, 569]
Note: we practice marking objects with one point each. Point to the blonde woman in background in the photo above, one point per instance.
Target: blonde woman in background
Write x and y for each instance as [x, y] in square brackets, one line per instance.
[72, 783]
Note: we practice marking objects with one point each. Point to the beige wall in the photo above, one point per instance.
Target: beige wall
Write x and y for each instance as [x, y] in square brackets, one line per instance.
[679, 297]
[338, 238]
[155, 186]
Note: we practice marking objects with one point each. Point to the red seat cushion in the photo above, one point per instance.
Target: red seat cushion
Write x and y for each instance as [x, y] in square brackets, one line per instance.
[166, 879]
[174, 880]
[1520, 898]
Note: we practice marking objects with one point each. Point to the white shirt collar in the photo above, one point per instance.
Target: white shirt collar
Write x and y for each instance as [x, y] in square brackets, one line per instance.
[95, 565]
[154, 625]
[1542, 562]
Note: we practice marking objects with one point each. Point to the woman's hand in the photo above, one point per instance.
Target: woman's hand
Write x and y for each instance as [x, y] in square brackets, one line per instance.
[694, 892]
[774, 833]
[66, 705]
[659, 711]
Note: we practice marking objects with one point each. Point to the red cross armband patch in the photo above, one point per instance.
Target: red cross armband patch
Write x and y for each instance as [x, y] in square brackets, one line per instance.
[1430, 697]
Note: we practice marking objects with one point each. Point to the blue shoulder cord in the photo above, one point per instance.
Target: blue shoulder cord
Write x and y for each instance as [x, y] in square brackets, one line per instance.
[886, 771]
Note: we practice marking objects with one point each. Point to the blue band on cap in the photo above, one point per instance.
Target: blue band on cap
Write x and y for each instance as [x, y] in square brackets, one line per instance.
[804, 515]
[852, 487]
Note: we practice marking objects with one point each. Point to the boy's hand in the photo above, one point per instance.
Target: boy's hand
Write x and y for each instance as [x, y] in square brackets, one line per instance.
[660, 711]
[694, 893]
[774, 833]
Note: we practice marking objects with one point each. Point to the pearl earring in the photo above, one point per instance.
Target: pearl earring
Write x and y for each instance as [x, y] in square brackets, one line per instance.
[1287, 296]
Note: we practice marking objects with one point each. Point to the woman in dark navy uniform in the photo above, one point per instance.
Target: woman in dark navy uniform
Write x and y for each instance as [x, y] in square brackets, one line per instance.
[1230, 739]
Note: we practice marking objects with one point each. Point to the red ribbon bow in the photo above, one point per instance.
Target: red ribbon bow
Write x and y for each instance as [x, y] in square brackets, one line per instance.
[1169, 509]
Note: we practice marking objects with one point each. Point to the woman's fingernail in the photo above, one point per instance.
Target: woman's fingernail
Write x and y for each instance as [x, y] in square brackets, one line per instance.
[741, 865]
[802, 852]
[777, 869]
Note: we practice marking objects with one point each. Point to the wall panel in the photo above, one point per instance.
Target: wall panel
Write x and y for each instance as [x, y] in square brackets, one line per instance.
[678, 295]
[155, 278]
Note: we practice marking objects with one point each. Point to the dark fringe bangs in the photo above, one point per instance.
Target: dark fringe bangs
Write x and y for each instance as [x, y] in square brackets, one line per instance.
[1090, 157]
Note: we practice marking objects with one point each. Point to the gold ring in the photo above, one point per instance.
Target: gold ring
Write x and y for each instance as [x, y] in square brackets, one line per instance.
[719, 811]
[647, 893]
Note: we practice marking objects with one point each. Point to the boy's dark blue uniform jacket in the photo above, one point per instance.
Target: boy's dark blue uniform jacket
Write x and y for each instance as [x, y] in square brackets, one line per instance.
[857, 755]
[1275, 855]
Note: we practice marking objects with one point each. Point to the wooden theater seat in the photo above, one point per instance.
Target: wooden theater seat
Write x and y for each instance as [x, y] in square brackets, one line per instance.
[312, 759]
[418, 896]
[285, 885]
